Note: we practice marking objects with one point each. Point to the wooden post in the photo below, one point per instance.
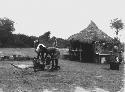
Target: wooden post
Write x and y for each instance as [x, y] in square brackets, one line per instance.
[80, 51]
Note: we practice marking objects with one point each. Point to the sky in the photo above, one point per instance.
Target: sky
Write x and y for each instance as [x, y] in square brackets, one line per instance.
[62, 18]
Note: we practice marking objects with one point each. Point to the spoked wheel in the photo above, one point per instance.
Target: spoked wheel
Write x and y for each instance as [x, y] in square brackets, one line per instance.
[38, 65]
[49, 64]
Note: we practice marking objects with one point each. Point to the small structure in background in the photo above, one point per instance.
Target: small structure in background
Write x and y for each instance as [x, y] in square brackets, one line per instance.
[90, 45]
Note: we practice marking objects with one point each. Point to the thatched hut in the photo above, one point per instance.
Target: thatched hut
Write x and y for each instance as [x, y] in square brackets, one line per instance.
[85, 44]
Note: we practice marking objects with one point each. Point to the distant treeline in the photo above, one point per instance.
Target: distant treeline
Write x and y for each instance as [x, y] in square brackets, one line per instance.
[8, 39]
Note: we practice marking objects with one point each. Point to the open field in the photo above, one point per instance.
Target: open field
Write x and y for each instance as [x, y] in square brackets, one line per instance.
[72, 77]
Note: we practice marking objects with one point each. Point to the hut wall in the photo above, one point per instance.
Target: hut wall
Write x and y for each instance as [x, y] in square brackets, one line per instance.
[98, 48]
[87, 53]
[74, 50]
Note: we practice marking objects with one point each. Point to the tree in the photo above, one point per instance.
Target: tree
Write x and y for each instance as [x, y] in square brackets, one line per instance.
[22, 40]
[45, 38]
[7, 24]
[117, 24]
[6, 29]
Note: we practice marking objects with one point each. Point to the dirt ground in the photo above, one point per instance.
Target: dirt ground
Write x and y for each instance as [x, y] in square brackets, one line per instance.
[72, 77]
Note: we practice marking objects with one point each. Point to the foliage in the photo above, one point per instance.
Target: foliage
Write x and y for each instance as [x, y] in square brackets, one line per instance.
[45, 36]
[33, 38]
[7, 24]
[46, 40]
[21, 40]
[62, 43]
[8, 39]
[6, 29]
[117, 24]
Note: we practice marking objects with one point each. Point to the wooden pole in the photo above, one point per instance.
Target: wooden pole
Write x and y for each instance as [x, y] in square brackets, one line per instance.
[80, 51]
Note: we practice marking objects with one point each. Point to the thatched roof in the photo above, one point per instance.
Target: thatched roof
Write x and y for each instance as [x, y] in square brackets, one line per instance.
[90, 34]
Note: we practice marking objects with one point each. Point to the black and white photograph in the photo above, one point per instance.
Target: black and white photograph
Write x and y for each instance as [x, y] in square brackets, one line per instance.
[62, 46]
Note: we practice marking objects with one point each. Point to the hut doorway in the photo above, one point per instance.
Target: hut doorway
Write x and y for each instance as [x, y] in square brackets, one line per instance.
[87, 53]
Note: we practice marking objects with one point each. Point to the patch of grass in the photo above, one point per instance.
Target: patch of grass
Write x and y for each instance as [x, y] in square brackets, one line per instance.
[70, 75]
